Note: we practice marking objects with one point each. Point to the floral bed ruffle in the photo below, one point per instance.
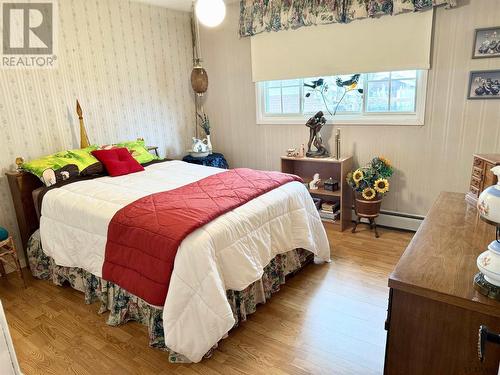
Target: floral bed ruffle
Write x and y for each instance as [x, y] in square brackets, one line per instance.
[123, 306]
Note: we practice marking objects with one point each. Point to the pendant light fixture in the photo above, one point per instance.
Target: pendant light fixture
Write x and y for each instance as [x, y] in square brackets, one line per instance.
[210, 13]
[199, 76]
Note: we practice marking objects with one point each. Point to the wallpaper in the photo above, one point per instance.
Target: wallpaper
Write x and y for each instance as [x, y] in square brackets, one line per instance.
[129, 66]
[428, 159]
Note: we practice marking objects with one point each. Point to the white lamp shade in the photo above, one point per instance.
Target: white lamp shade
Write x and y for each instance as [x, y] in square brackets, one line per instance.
[210, 13]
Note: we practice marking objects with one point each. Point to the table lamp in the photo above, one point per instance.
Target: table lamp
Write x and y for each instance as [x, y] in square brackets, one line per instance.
[487, 281]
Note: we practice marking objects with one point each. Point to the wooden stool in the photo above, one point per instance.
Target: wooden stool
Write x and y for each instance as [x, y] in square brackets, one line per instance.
[8, 249]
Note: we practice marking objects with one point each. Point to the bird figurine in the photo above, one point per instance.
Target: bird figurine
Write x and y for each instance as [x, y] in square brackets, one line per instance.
[315, 84]
[350, 84]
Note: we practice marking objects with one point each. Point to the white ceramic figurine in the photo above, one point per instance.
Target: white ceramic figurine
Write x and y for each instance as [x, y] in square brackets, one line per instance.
[199, 149]
[314, 184]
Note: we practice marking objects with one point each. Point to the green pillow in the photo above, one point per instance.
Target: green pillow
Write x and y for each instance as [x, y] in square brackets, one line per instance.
[71, 162]
[138, 150]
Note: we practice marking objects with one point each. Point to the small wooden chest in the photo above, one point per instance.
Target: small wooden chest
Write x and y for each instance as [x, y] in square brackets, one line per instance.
[481, 176]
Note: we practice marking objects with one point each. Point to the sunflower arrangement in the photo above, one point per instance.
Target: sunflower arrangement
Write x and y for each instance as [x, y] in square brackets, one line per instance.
[372, 179]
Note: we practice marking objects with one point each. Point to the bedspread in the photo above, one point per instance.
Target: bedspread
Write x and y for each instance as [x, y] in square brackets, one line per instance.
[143, 237]
[230, 252]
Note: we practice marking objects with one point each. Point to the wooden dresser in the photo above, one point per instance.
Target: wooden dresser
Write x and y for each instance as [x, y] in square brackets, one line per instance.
[481, 175]
[434, 311]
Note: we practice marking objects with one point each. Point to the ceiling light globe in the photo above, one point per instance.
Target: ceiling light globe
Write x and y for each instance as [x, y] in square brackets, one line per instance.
[210, 13]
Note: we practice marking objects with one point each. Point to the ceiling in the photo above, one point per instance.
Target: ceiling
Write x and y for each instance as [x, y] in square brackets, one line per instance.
[184, 5]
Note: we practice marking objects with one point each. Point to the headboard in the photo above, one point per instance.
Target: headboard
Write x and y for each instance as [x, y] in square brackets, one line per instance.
[21, 186]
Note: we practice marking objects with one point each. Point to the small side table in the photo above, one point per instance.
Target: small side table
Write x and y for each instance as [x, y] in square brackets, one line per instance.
[213, 160]
[8, 249]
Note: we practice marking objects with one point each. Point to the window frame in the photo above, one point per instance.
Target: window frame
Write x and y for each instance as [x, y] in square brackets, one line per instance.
[365, 118]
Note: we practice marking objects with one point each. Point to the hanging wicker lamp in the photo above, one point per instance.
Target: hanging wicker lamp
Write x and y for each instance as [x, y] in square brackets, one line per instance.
[199, 79]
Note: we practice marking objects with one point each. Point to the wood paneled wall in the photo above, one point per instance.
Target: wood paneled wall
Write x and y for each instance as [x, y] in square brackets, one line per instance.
[428, 159]
[128, 64]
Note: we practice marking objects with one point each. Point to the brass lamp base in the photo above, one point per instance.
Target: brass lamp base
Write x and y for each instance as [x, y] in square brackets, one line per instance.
[485, 287]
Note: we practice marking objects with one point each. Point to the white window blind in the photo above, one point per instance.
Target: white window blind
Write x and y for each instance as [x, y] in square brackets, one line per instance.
[391, 43]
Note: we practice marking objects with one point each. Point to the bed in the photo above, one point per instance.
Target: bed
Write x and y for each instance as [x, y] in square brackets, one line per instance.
[221, 270]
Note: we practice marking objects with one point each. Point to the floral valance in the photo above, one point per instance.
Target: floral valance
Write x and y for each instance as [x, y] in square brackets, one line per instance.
[257, 16]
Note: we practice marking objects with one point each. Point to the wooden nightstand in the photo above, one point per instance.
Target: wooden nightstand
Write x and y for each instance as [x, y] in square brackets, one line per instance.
[213, 160]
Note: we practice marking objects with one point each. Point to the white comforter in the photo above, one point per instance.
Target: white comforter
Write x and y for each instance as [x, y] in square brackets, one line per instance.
[228, 253]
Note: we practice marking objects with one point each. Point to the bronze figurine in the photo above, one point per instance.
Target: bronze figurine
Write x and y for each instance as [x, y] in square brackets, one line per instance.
[315, 124]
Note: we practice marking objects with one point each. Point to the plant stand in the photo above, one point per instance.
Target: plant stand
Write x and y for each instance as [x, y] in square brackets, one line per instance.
[372, 224]
[367, 209]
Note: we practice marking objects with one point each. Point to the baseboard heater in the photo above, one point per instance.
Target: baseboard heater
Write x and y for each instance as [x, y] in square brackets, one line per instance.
[397, 220]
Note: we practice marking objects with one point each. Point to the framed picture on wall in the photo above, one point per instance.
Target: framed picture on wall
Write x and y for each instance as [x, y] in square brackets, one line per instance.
[486, 43]
[484, 84]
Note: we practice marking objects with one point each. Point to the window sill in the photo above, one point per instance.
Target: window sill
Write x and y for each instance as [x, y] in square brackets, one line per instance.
[377, 120]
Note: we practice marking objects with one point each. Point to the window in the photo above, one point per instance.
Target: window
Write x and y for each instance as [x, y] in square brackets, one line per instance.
[388, 98]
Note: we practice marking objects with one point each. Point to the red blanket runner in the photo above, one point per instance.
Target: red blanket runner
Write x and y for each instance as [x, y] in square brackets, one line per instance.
[143, 237]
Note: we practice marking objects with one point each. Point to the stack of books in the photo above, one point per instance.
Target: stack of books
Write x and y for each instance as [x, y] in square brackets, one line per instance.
[330, 211]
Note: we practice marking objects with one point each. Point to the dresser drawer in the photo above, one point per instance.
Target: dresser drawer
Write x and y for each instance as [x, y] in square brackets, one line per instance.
[477, 172]
[475, 182]
[479, 163]
[474, 191]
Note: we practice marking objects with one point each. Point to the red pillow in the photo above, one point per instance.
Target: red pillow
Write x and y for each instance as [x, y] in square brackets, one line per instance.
[118, 161]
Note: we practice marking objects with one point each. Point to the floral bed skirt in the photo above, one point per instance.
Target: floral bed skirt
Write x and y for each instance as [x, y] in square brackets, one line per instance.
[123, 306]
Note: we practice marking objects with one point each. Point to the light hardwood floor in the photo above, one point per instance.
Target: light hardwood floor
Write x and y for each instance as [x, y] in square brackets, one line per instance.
[328, 319]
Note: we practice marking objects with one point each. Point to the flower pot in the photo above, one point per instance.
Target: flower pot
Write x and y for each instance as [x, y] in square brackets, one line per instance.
[367, 208]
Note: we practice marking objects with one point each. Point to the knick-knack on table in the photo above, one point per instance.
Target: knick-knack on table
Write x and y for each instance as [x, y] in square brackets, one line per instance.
[205, 125]
[320, 86]
[337, 144]
[314, 184]
[315, 124]
[209, 144]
